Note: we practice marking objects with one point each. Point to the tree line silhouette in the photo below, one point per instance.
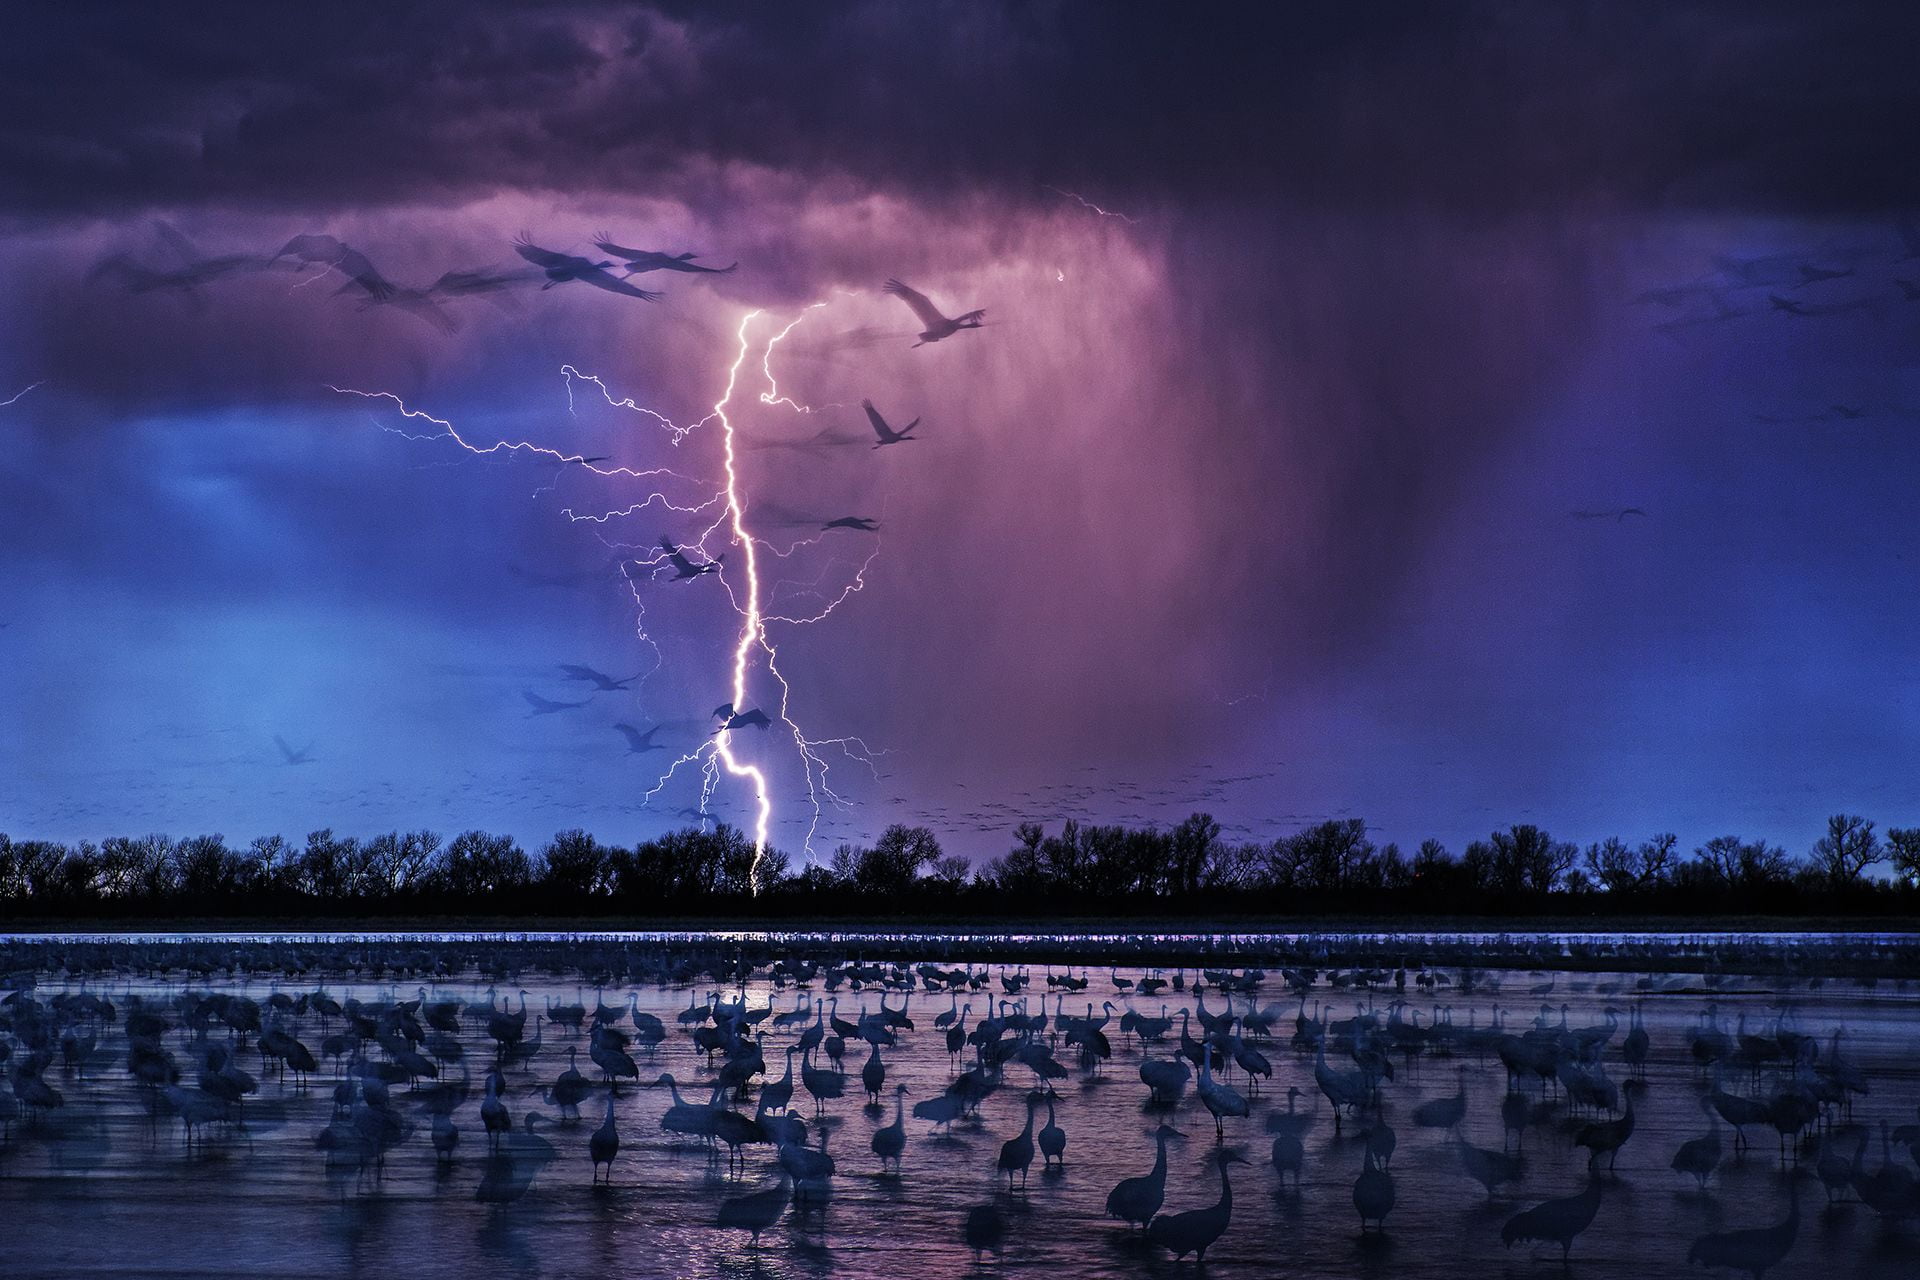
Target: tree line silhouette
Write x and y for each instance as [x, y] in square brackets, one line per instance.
[1332, 866]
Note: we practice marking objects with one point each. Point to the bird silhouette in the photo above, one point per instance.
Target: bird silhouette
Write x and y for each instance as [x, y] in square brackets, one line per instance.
[641, 260]
[1606, 1137]
[562, 267]
[1756, 1249]
[1444, 1113]
[683, 568]
[482, 282]
[754, 719]
[935, 326]
[326, 252]
[759, 1210]
[601, 681]
[303, 756]
[985, 1230]
[639, 743]
[1373, 1193]
[1016, 1153]
[1135, 1200]
[861, 523]
[546, 706]
[1810, 274]
[890, 1141]
[1489, 1168]
[604, 1144]
[880, 428]
[1555, 1221]
[1053, 1141]
[1699, 1157]
[1196, 1230]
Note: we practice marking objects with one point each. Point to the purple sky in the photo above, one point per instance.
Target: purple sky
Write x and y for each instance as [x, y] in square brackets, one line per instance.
[1260, 498]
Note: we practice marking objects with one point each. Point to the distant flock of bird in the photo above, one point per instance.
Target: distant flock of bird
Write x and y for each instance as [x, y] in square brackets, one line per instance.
[188, 269]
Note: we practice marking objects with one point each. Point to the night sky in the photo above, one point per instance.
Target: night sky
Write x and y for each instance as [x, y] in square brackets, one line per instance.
[1448, 415]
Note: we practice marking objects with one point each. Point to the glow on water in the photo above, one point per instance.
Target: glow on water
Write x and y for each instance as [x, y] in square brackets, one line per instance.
[103, 1188]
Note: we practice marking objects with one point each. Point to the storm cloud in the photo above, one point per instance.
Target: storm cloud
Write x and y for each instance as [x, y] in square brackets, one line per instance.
[1261, 471]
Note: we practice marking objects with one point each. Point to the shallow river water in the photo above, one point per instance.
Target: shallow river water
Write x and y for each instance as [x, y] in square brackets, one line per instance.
[106, 1184]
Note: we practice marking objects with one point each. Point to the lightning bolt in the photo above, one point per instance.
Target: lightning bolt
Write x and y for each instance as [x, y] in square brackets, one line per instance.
[752, 630]
[748, 593]
[1085, 203]
[15, 397]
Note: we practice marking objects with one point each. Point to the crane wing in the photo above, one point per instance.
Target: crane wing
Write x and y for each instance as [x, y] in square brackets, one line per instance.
[541, 257]
[599, 279]
[880, 427]
[359, 269]
[605, 245]
[929, 314]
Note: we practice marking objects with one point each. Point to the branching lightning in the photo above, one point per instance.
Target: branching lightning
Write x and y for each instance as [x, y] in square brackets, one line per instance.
[1085, 203]
[740, 577]
[752, 630]
[15, 397]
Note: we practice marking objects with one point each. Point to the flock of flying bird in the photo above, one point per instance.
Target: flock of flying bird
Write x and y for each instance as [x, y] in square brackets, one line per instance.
[187, 269]
[760, 1078]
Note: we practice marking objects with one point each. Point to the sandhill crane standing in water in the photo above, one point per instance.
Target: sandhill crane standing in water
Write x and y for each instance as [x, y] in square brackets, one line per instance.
[642, 260]
[562, 267]
[1135, 1200]
[1053, 1141]
[1221, 1100]
[494, 1117]
[604, 1145]
[1289, 1149]
[891, 1141]
[1196, 1230]
[1606, 1137]
[1016, 1153]
[880, 428]
[1489, 1168]
[1755, 1249]
[937, 326]
[1373, 1194]
[1444, 1113]
[985, 1230]
[1555, 1221]
[1699, 1157]
[511, 1170]
[759, 1210]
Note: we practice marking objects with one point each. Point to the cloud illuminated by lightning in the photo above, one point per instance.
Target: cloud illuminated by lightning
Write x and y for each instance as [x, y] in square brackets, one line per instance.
[741, 578]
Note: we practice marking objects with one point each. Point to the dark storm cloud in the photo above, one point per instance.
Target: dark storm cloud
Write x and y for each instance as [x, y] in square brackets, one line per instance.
[1482, 108]
[1279, 468]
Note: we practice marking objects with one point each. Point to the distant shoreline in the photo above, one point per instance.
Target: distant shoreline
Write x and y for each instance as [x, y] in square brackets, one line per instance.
[935, 925]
